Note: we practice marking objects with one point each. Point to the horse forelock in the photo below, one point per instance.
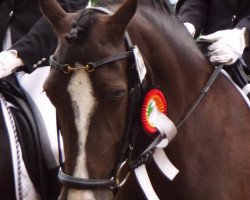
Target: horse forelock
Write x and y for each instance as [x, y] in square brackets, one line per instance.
[81, 25]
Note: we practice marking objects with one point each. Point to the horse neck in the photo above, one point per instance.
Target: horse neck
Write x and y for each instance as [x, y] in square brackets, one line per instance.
[178, 66]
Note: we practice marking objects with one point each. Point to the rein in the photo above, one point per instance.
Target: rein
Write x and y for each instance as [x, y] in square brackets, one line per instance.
[134, 92]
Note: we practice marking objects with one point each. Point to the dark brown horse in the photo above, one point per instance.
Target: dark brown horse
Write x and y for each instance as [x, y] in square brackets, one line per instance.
[212, 146]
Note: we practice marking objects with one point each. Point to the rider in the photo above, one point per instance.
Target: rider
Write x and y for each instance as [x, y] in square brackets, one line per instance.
[27, 40]
[224, 23]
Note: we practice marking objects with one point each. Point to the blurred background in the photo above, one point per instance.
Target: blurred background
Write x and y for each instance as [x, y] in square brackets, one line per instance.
[172, 4]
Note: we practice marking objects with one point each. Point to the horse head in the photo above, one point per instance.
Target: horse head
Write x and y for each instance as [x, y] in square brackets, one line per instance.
[90, 93]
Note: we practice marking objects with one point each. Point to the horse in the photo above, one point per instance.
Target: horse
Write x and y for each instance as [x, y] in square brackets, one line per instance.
[98, 93]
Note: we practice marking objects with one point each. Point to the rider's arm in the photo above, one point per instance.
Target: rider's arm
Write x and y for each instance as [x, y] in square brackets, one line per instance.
[35, 48]
[245, 22]
[193, 12]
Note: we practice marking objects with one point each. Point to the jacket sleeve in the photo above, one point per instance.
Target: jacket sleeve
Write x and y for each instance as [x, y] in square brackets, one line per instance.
[245, 22]
[36, 47]
[194, 12]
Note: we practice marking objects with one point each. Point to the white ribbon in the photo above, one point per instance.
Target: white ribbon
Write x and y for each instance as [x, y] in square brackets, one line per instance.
[164, 164]
[165, 126]
[139, 64]
[145, 183]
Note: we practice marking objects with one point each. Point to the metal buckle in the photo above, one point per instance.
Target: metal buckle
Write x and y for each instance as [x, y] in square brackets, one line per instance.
[119, 183]
[89, 67]
[67, 69]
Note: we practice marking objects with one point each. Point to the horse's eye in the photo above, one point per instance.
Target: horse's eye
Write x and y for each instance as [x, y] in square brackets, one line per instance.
[118, 96]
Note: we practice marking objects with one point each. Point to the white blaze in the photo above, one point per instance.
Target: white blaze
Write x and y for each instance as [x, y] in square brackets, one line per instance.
[81, 93]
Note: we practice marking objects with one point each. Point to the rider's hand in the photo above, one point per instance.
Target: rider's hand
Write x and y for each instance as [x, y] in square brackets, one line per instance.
[8, 62]
[227, 45]
[190, 28]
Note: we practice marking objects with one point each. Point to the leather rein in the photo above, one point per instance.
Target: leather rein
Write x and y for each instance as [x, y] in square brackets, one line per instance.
[115, 183]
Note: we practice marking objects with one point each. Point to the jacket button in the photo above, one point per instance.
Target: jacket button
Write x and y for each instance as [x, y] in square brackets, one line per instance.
[233, 18]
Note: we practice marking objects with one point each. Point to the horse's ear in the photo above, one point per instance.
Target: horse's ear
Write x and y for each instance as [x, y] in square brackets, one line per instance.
[122, 17]
[60, 20]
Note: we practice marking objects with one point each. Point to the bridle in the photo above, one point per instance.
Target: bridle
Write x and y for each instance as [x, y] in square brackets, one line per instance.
[114, 183]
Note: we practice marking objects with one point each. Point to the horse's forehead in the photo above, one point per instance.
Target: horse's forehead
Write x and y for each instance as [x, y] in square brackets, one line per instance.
[91, 20]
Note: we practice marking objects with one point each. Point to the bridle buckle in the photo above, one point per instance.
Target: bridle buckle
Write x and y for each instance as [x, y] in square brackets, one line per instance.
[89, 67]
[67, 69]
[121, 178]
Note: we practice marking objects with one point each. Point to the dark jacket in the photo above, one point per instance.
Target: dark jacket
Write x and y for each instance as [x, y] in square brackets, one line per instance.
[31, 34]
[213, 15]
[210, 16]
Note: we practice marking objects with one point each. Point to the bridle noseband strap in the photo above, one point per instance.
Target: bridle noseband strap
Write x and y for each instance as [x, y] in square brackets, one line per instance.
[82, 183]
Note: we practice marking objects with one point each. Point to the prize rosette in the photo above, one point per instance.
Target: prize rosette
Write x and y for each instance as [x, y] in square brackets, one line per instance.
[154, 97]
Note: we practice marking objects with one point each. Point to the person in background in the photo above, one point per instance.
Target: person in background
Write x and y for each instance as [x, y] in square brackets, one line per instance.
[225, 24]
[26, 38]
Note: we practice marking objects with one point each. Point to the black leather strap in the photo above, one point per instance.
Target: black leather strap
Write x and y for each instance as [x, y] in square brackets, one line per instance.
[113, 58]
[82, 183]
[95, 64]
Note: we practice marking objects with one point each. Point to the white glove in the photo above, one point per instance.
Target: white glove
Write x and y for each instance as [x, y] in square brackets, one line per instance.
[8, 62]
[190, 28]
[227, 45]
